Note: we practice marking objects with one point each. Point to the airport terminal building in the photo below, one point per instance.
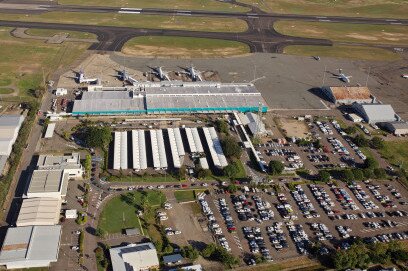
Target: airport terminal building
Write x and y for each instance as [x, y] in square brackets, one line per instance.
[171, 98]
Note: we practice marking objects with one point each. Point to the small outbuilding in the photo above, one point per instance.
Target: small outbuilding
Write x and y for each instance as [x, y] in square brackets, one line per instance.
[71, 214]
[398, 128]
[172, 259]
[61, 92]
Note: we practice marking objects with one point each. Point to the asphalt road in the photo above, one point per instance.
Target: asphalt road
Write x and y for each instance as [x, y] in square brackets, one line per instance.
[260, 36]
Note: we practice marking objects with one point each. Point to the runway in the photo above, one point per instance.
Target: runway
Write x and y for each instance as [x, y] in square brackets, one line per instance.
[260, 36]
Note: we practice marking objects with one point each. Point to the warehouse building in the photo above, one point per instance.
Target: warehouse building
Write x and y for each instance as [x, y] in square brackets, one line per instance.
[48, 184]
[9, 127]
[254, 123]
[348, 95]
[71, 163]
[398, 128]
[374, 113]
[31, 246]
[39, 211]
[134, 257]
[171, 98]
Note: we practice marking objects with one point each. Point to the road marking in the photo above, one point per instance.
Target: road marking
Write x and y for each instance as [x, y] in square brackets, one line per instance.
[320, 20]
[128, 12]
[184, 11]
[132, 9]
[396, 23]
[183, 14]
[253, 17]
[321, 17]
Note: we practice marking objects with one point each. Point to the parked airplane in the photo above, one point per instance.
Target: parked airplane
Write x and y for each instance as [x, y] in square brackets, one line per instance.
[193, 73]
[343, 77]
[158, 71]
[125, 77]
[80, 78]
[405, 75]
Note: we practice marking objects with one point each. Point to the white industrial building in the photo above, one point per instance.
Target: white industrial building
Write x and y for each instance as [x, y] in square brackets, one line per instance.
[179, 141]
[30, 246]
[9, 127]
[214, 145]
[253, 122]
[139, 150]
[50, 130]
[39, 211]
[197, 140]
[204, 163]
[136, 257]
[374, 113]
[70, 163]
[190, 140]
[162, 149]
[398, 128]
[173, 147]
[116, 150]
[48, 184]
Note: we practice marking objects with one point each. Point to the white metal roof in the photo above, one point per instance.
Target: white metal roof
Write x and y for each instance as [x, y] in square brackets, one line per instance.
[179, 141]
[210, 143]
[162, 149]
[217, 147]
[123, 150]
[142, 150]
[39, 211]
[155, 149]
[197, 140]
[50, 130]
[116, 150]
[190, 140]
[135, 150]
[173, 148]
[204, 163]
[134, 257]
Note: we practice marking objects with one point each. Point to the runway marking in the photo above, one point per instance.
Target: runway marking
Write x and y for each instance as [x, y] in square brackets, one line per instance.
[183, 14]
[396, 23]
[129, 12]
[321, 20]
[134, 9]
[321, 17]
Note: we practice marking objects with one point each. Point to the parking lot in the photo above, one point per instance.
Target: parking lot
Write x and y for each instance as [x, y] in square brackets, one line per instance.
[280, 225]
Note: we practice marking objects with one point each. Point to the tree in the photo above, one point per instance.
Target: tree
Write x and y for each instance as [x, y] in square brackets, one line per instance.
[358, 174]
[351, 130]
[380, 173]
[346, 175]
[323, 176]
[276, 167]
[87, 163]
[222, 126]
[370, 163]
[208, 250]
[232, 170]
[100, 232]
[231, 147]
[232, 188]
[203, 173]
[317, 144]
[368, 173]
[360, 140]
[377, 143]
[190, 252]
[97, 136]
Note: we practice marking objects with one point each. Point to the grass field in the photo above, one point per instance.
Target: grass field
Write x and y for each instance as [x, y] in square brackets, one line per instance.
[345, 32]
[6, 90]
[354, 8]
[22, 61]
[52, 32]
[136, 20]
[169, 4]
[118, 214]
[396, 152]
[145, 178]
[343, 51]
[183, 47]
[187, 195]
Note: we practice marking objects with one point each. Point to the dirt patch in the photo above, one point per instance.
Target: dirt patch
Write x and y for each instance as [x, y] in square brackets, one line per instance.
[361, 37]
[146, 50]
[293, 128]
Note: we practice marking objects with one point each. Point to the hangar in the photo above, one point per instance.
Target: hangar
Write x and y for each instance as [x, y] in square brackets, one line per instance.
[171, 97]
[348, 95]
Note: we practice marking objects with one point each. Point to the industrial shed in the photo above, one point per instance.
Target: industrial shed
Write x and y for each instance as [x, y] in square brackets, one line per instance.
[398, 128]
[348, 95]
[48, 184]
[9, 127]
[71, 163]
[39, 211]
[374, 113]
[31, 246]
[134, 257]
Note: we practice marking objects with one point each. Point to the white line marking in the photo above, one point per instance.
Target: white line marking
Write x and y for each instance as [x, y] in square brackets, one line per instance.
[129, 12]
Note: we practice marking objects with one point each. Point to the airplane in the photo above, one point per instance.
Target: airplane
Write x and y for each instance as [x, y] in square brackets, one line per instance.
[404, 75]
[125, 77]
[158, 71]
[80, 78]
[343, 77]
[192, 72]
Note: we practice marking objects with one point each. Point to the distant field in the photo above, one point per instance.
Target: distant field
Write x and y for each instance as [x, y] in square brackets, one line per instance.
[345, 32]
[52, 32]
[6, 90]
[167, 4]
[135, 20]
[396, 152]
[353, 8]
[183, 47]
[22, 60]
[340, 51]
